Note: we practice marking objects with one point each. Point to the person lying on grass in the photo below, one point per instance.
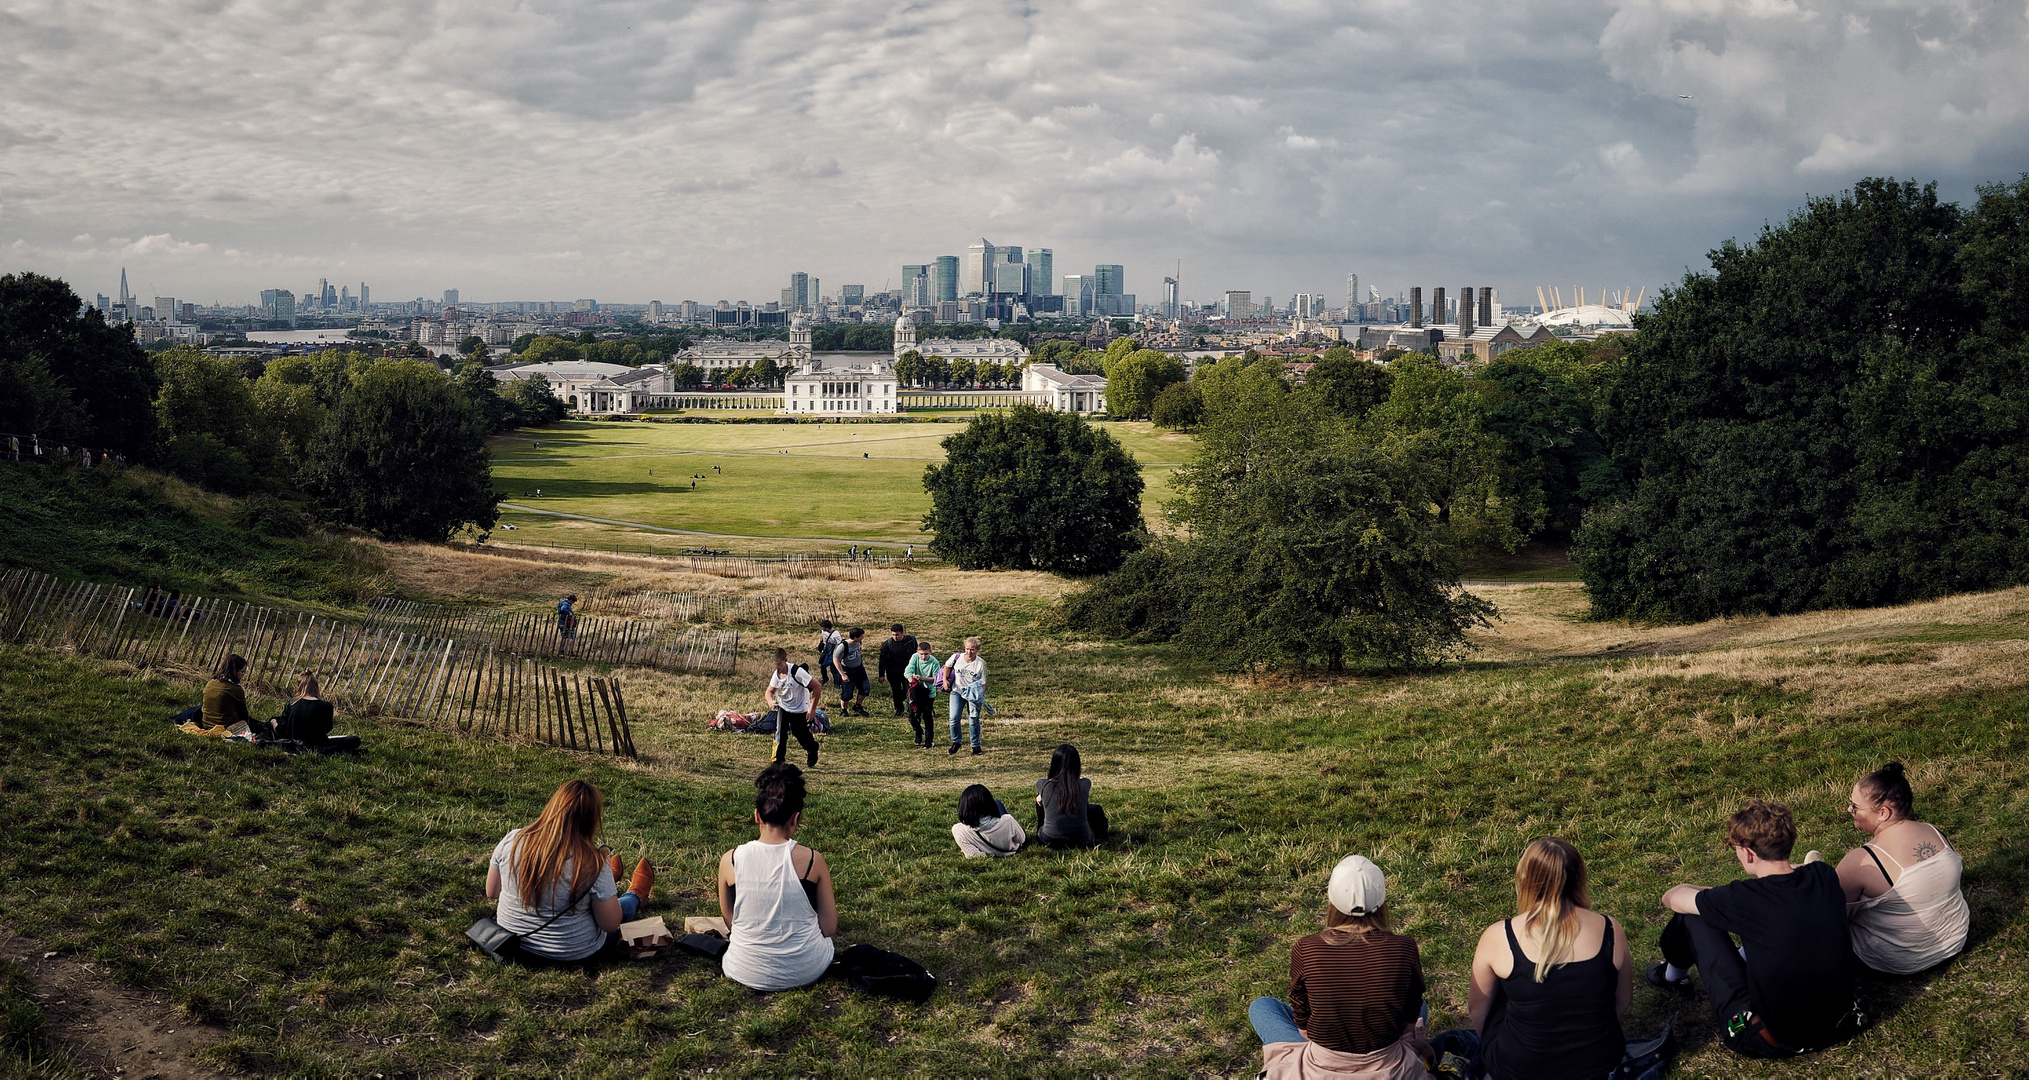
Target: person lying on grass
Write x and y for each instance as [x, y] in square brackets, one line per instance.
[551, 869]
[985, 829]
[775, 896]
[1355, 992]
[1788, 990]
[1550, 985]
[1908, 913]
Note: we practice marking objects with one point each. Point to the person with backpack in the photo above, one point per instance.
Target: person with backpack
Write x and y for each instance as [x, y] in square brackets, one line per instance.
[922, 675]
[896, 653]
[794, 697]
[775, 896]
[849, 660]
[828, 642]
[1790, 990]
[557, 890]
[964, 678]
[1065, 816]
[567, 624]
[985, 829]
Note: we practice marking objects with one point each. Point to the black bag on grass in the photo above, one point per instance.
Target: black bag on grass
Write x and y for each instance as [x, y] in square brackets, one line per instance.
[502, 944]
[889, 974]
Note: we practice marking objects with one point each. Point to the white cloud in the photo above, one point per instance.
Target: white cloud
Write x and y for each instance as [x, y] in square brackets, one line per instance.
[634, 150]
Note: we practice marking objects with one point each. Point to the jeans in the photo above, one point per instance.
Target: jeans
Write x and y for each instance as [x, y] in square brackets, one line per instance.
[630, 905]
[958, 705]
[920, 716]
[1275, 1022]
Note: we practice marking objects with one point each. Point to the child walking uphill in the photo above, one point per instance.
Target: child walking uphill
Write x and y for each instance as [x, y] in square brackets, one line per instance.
[922, 675]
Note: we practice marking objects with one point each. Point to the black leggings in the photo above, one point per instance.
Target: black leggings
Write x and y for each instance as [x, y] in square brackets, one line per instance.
[797, 724]
[921, 711]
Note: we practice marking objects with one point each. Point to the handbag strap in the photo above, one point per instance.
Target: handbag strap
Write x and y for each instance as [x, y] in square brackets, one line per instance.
[560, 914]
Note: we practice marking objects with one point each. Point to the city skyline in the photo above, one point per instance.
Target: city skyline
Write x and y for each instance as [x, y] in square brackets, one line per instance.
[636, 152]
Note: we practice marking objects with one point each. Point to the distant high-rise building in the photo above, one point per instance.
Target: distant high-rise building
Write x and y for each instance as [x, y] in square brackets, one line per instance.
[788, 302]
[655, 311]
[363, 295]
[915, 285]
[852, 295]
[104, 304]
[1078, 296]
[1352, 296]
[1239, 304]
[590, 306]
[166, 309]
[1109, 279]
[944, 279]
[1010, 279]
[1042, 281]
[687, 311]
[124, 294]
[1170, 308]
[278, 304]
[799, 298]
[450, 298]
[189, 313]
[814, 298]
[345, 298]
[978, 266]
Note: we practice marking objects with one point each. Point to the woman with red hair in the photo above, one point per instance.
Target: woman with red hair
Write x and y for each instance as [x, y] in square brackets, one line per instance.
[556, 888]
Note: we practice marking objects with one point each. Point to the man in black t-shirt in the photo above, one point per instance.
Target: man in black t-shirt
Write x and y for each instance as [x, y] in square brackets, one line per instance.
[1792, 992]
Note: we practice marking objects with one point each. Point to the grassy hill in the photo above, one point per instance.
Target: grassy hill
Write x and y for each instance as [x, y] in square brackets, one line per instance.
[311, 910]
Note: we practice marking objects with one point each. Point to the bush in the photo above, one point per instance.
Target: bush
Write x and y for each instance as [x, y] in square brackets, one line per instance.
[404, 456]
[1034, 490]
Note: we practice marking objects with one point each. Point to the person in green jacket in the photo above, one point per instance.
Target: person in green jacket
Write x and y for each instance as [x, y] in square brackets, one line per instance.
[922, 676]
[225, 702]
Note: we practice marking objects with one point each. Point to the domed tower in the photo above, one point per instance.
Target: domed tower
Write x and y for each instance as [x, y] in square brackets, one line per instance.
[905, 335]
[799, 338]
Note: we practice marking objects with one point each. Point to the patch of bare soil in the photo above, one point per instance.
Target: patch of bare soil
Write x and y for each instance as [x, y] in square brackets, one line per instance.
[113, 1031]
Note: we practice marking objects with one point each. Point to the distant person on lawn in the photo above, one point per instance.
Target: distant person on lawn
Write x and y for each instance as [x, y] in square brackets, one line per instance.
[775, 896]
[828, 642]
[550, 872]
[1065, 816]
[1792, 991]
[1906, 913]
[567, 624]
[851, 664]
[794, 697]
[965, 680]
[922, 676]
[1550, 985]
[1355, 992]
[225, 701]
[896, 652]
[985, 829]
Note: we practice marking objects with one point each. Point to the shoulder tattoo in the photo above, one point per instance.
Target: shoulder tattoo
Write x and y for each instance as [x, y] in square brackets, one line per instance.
[1925, 850]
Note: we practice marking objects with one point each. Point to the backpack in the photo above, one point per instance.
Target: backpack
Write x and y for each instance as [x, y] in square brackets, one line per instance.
[889, 974]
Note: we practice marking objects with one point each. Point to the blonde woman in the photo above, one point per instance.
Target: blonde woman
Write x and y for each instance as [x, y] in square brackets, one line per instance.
[1550, 985]
[965, 678]
[556, 888]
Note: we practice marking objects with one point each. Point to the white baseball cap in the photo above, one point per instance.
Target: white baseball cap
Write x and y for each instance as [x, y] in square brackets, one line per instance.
[1357, 886]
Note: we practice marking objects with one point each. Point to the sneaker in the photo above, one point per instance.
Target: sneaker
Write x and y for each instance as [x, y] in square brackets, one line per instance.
[1812, 856]
[978, 750]
[953, 750]
[1654, 974]
[644, 879]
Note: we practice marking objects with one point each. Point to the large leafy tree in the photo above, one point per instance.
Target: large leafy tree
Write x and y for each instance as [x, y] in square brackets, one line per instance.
[404, 455]
[68, 376]
[210, 423]
[1134, 379]
[1347, 384]
[1034, 490]
[1834, 416]
[1441, 418]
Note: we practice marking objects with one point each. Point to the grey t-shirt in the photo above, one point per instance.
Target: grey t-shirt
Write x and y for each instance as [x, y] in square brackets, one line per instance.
[1063, 827]
[850, 655]
[573, 936]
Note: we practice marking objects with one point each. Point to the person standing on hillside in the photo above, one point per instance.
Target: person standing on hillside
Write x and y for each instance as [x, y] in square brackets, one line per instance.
[828, 642]
[851, 664]
[965, 676]
[896, 652]
[567, 624]
[922, 676]
[794, 696]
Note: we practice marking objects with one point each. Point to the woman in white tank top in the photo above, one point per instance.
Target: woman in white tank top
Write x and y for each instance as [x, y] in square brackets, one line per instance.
[776, 895]
[1903, 903]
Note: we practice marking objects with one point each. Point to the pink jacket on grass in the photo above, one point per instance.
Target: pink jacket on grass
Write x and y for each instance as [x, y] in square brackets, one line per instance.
[1404, 1059]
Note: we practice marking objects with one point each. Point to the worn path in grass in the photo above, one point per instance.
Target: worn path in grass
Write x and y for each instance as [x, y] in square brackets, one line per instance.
[242, 884]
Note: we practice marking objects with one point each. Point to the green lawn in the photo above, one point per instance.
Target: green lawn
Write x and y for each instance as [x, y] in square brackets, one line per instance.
[313, 909]
[850, 482]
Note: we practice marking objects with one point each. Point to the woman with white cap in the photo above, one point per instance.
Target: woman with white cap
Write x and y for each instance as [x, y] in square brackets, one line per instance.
[1355, 992]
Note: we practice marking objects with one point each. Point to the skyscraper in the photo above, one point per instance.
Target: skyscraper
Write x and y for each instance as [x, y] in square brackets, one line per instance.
[1239, 304]
[362, 296]
[978, 266]
[1169, 298]
[1077, 296]
[915, 285]
[1042, 279]
[1108, 278]
[944, 279]
[450, 298]
[1352, 296]
[124, 294]
[797, 296]
[852, 295]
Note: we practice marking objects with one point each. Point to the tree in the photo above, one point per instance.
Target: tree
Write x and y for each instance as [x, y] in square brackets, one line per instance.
[470, 344]
[1031, 489]
[909, 368]
[549, 349]
[209, 423]
[68, 376]
[404, 456]
[1542, 404]
[1438, 417]
[963, 371]
[1835, 416]
[684, 375]
[536, 403]
[1347, 384]
[1135, 378]
[1179, 407]
[766, 373]
[482, 392]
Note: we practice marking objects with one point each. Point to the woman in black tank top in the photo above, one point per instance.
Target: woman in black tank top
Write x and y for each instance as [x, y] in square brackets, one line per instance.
[1563, 1022]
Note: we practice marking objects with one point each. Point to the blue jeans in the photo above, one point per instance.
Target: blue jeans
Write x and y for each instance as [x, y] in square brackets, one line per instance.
[1274, 1022]
[959, 705]
[630, 904]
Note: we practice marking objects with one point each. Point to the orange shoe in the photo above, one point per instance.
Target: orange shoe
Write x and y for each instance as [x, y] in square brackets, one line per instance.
[618, 873]
[644, 880]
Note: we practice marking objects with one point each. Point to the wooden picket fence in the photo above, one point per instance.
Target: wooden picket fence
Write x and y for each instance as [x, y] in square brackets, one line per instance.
[615, 641]
[724, 607]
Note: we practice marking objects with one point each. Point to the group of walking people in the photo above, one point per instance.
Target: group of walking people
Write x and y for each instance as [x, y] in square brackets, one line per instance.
[1777, 953]
[914, 674]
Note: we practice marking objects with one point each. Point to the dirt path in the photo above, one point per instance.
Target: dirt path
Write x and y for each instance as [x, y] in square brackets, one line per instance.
[112, 1030]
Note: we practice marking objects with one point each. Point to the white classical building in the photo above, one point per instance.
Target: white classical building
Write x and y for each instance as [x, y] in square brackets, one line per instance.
[719, 354]
[591, 387]
[998, 350]
[847, 386]
[1062, 391]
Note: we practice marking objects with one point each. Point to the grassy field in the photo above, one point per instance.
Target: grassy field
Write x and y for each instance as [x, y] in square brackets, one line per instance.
[310, 911]
[848, 483]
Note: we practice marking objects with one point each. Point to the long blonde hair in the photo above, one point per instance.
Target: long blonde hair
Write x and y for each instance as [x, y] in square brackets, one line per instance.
[562, 834]
[306, 684]
[1549, 892]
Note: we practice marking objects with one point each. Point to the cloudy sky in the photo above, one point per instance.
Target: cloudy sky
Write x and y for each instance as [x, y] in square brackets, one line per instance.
[631, 150]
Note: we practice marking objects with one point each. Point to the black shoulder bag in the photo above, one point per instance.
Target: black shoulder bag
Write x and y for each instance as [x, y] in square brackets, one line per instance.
[501, 944]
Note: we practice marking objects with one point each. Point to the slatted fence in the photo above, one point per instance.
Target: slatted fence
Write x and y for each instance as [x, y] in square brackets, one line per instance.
[706, 606]
[616, 641]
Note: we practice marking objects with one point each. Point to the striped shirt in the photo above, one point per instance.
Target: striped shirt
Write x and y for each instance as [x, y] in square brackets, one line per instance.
[1355, 994]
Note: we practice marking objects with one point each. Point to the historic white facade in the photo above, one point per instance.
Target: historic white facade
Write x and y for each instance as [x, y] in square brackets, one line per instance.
[998, 350]
[722, 355]
[851, 386]
[1062, 391]
[590, 387]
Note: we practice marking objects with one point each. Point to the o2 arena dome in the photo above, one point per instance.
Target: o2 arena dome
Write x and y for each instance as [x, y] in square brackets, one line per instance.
[1588, 316]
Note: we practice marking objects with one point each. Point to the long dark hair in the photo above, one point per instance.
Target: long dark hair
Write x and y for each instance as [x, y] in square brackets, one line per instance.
[1064, 769]
[975, 804]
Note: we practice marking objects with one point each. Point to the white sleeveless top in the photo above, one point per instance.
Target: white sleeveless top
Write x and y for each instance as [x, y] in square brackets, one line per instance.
[775, 943]
[1920, 921]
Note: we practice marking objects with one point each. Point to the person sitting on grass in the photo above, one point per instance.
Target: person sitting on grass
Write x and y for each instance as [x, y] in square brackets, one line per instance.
[1065, 816]
[556, 888]
[1355, 992]
[1788, 990]
[985, 829]
[775, 896]
[1550, 985]
[922, 676]
[1913, 916]
[225, 701]
[307, 719]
